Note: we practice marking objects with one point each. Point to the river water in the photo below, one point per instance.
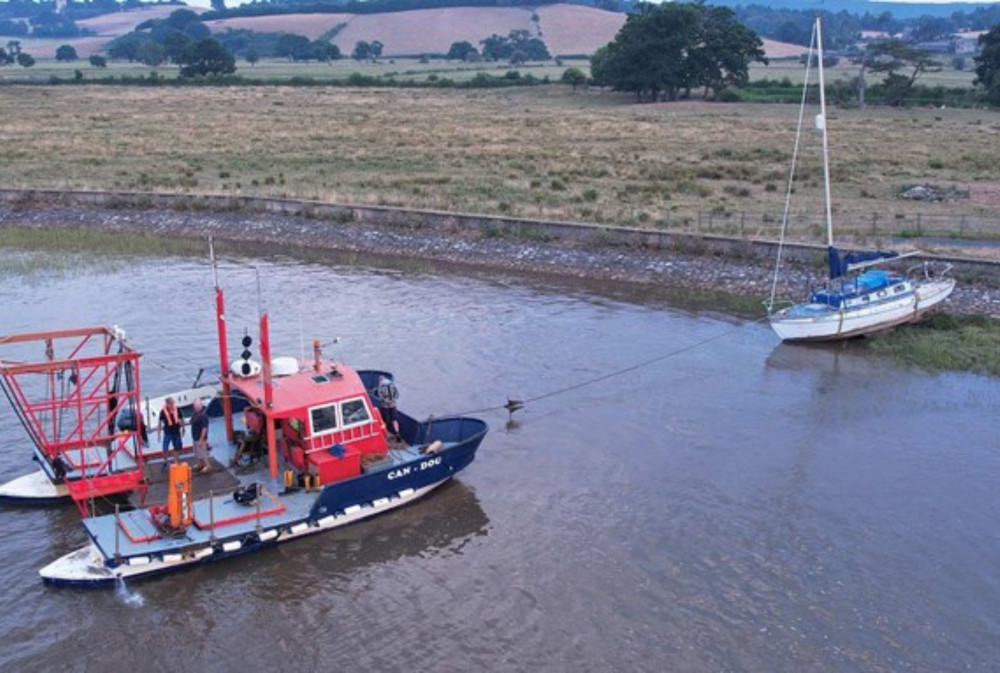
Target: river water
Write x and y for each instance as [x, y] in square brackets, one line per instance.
[741, 506]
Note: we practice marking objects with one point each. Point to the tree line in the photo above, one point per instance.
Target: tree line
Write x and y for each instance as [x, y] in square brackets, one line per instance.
[666, 51]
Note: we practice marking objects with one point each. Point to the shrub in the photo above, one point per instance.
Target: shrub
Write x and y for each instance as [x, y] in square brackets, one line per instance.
[728, 95]
[66, 52]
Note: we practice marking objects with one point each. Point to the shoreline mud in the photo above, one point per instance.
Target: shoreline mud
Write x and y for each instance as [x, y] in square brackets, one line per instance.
[693, 267]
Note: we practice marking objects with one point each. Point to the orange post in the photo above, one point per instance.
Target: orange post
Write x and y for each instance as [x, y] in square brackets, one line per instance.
[179, 496]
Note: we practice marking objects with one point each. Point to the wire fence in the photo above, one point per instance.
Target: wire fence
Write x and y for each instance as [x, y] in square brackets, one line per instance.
[806, 227]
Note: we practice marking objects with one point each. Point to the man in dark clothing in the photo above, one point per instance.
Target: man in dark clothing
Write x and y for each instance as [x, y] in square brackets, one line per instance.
[199, 433]
[387, 394]
[171, 426]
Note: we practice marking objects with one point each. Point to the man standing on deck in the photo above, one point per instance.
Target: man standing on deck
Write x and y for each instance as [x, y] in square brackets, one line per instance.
[171, 426]
[387, 394]
[199, 433]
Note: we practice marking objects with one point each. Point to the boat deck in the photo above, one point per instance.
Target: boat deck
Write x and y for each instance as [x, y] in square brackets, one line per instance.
[215, 513]
[137, 535]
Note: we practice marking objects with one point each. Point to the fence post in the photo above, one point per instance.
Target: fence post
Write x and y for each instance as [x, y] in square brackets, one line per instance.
[920, 226]
[697, 225]
[874, 225]
[743, 217]
[961, 227]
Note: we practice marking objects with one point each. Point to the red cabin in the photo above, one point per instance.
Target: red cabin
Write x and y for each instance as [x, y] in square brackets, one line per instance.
[320, 419]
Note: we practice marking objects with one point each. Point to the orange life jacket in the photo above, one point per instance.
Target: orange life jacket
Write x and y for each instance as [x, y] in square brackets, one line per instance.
[170, 413]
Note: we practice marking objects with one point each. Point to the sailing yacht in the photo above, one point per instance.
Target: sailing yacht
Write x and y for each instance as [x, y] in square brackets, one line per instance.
[857, 299]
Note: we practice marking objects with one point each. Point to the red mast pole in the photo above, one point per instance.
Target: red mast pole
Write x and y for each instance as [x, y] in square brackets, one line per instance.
[220, 321]
[265, 355]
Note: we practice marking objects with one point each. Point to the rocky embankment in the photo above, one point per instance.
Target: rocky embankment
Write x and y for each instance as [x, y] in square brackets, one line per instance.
[603, 259]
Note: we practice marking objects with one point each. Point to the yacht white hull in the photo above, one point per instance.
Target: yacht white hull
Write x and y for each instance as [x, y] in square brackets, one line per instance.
[822, 323]
[34, 489]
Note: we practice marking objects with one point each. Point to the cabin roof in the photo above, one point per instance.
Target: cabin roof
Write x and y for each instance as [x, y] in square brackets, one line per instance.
[304, 390]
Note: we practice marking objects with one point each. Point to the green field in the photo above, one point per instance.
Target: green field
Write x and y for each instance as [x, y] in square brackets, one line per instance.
[412, 69]
[282, 70]
[845, 72]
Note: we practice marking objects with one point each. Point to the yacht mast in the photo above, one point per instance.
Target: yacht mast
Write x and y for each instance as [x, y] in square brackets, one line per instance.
[821, 122]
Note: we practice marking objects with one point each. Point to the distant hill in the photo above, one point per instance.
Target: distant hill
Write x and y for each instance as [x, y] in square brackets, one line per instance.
[900, 10]
[103, 29]
[565, 29]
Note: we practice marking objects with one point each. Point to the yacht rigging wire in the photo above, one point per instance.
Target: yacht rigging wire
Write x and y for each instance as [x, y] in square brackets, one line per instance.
[791, 172]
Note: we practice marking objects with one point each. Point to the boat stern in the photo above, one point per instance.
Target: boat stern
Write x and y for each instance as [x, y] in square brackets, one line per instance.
[34, 489]
[83, 567]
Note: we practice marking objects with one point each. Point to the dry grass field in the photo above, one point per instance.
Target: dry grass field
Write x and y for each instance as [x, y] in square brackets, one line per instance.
[543, 152]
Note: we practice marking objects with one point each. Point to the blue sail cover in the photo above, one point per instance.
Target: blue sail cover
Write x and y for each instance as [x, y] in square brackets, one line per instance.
[839, 266]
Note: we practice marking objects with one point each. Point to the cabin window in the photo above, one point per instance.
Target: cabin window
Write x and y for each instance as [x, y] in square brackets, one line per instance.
[354, 412]
[324, 419]
[899, 288]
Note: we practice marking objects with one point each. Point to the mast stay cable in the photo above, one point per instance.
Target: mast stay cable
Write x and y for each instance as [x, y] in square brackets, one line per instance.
[513, 405]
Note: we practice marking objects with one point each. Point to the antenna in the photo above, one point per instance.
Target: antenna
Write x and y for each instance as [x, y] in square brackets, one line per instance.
[211, 256]
[260, 308]
[302, 338]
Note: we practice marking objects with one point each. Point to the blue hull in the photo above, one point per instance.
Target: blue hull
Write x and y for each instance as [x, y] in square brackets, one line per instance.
[464, 436]
[416, 474]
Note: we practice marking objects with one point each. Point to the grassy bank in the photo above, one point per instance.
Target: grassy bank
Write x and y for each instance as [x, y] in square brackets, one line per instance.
[945, 343]
[114, 250]
[544, 152]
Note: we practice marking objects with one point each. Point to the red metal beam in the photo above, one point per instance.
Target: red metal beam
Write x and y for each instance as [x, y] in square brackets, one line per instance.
[60, 365]
[54, 334]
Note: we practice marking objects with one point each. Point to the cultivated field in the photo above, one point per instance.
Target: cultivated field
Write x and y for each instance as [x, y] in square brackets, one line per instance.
[566, 29]
[543, 152]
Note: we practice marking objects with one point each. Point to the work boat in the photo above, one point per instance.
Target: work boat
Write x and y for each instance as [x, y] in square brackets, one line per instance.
[858, 299]
[315, 453]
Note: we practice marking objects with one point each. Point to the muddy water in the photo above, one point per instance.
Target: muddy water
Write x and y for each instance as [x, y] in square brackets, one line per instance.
[739, 507]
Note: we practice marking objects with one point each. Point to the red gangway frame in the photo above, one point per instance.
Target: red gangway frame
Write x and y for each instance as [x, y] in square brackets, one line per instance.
[68, 403]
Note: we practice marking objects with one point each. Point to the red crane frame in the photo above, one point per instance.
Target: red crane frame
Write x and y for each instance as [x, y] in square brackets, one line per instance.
[68, 403]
